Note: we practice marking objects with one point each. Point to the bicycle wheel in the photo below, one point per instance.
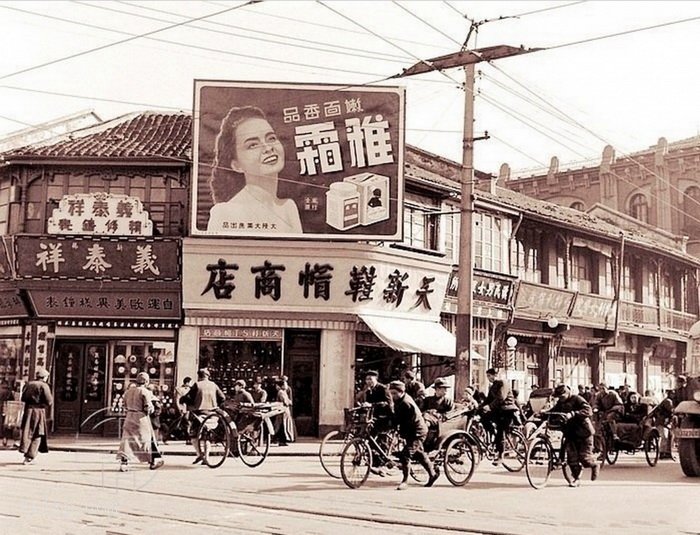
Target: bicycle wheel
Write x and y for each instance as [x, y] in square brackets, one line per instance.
[418, 473]
[610, 452]
[651, 447]
[514, 451]
[539, 462]
[253, 444]
[565, 468]
[330, 451]
[355, 462]
[214, 440]
[460, 461]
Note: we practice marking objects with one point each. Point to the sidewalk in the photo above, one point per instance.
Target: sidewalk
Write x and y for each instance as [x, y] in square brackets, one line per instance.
[303, 447]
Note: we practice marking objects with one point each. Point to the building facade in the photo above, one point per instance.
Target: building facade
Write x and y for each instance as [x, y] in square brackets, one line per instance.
[100, 279]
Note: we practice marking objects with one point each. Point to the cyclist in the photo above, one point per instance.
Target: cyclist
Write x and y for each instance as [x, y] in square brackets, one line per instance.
[578, 432]
[414, 387]
[377, 395]
[499, 410]
[413, 429]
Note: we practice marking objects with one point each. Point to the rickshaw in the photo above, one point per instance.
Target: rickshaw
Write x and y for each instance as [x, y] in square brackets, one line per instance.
[631, 438]
[448, 448]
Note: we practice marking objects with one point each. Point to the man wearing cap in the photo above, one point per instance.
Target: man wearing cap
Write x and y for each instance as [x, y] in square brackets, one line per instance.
[414, 388]
[203, 397]
[439, 403]
[377, 394]
[499, 409]
[37, 398]
[610, 408]
[578, 432]
[413, 429]
[138, 440]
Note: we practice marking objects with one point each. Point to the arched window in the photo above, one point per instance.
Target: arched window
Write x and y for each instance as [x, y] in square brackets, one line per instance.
[639, 207]
[578, 205]
[691, 208]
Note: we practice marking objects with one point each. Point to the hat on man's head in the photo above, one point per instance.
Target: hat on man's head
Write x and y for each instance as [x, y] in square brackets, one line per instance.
[441, 383]
[142, 378]
[399, 386]
[239, 382]
[41, 373]
[409, 374]
[560, 390]
[373, 373]
[491, 371]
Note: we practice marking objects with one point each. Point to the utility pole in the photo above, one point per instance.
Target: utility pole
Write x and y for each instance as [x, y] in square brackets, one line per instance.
[467, 59]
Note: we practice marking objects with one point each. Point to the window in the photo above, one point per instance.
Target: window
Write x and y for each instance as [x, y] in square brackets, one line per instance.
[489, 238]
[649, 285]
[450, 227]
[639, 207]
[691, 208]
[578, 205]
[581, 269]
[560, 250]
[420, 228]
[526, 255]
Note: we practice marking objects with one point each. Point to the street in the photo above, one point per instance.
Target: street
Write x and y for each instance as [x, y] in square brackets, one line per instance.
[77, 492]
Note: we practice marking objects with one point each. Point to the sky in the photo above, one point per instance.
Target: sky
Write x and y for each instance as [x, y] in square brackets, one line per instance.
[588, 88]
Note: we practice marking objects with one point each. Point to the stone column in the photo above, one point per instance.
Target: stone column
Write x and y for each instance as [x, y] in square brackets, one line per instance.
[187, 353]
[336, 378]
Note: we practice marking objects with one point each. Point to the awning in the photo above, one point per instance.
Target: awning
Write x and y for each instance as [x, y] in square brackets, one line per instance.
[412, 336]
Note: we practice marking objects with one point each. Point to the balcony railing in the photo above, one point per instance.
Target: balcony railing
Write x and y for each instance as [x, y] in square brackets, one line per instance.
[639, 314]
[676, 320]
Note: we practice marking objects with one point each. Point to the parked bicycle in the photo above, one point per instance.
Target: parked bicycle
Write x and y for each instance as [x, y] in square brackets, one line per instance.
[452, 453]
[546, 450]
[334, 442]
[219, 436]
[483, 438]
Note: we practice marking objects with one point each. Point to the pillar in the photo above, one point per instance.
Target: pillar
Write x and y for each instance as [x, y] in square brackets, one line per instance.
[187, 353]
[337, 377]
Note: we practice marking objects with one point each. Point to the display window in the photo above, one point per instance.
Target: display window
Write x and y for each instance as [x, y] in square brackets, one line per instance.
[10, 351]
[229, 360]
[128, 359]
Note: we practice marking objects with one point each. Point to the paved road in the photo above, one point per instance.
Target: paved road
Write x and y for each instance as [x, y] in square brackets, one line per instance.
[76, 493]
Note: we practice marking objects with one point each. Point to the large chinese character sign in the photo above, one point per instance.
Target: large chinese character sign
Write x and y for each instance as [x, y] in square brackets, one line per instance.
[291, 161]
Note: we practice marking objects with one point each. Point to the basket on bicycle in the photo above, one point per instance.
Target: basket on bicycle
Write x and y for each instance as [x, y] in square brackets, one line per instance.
[358, 418]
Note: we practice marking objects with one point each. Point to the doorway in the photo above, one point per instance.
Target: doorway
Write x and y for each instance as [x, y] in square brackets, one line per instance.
[79, 388]
[302, 356]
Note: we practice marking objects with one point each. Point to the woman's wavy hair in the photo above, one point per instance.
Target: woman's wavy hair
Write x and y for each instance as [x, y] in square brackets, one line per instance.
[224, 181]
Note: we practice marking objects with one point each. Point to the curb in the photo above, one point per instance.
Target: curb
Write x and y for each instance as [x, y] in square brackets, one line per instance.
[113, 451]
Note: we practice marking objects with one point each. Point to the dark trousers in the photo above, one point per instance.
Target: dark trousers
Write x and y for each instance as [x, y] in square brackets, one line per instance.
[579, 452]
[501, 422]
[414, 450]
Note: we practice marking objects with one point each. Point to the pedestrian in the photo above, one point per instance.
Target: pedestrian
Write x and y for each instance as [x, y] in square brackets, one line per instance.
[204, 396]
[37, 399]
[138, 438]
[413, 429]
[258, 392]
[414, 387]
[285, 431]
[181, 391]
[578, 432]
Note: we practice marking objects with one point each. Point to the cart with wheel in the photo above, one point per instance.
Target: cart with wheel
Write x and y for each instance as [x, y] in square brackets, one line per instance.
[631, 438]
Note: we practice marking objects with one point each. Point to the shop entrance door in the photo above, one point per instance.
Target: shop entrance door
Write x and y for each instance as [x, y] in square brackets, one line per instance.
[79, 390]
[302, 356]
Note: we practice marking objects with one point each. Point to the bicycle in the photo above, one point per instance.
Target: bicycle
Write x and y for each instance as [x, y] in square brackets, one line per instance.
[484, 441]
[334, 442]
[542, 456]
[218, 433]
[453, 453]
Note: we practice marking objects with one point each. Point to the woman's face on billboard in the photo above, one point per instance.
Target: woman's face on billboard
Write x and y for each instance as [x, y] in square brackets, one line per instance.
[258, 149]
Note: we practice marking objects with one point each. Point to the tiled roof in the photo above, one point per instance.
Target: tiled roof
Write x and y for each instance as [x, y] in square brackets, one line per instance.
[140, 136]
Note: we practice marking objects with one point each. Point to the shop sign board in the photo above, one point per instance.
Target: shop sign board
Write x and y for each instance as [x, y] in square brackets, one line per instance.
[285, 160]
[242, 333]
[594, 309]
[486, 288]
[542, 302]
[97, 258]
[315, 280]
[11, 306]
[105, 214]
[111, 303]
[5, 263]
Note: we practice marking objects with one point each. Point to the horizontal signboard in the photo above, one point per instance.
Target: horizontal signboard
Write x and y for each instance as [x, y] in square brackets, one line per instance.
[297, 161]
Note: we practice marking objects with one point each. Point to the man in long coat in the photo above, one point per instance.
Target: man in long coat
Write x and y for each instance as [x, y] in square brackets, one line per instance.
[37, 398]
[138, 440]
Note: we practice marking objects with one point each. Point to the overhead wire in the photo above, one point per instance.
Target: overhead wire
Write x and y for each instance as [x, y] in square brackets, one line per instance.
[542, 10]
[120, 42]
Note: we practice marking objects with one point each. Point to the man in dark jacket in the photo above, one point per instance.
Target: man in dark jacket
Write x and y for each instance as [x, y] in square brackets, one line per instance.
[578, 432]
[37, 398]
[414, 388]
[203, 397]
[377, 394]
[499, 409]
[414, 430]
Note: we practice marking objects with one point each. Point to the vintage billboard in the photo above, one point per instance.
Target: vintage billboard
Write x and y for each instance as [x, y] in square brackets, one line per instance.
[297, 161]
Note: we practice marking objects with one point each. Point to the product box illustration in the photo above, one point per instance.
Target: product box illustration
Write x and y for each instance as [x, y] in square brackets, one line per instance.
[342, 206]
[374, 196]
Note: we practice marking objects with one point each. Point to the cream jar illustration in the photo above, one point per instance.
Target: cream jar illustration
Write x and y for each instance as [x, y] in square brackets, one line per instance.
[342, 206]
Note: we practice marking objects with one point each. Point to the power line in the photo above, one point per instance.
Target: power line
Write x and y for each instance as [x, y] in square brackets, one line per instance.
[109, 45]
[438, 30]
[542, 10]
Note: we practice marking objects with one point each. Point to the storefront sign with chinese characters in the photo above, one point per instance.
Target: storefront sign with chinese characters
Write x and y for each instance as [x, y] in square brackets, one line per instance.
[5, 264]
[241, 333]
[485, 288]
[594, 309]
[11, 306]
[341, 280]
[107, 303]
[86, 258]
[104, 214]
[542, 302]
[335, 153]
